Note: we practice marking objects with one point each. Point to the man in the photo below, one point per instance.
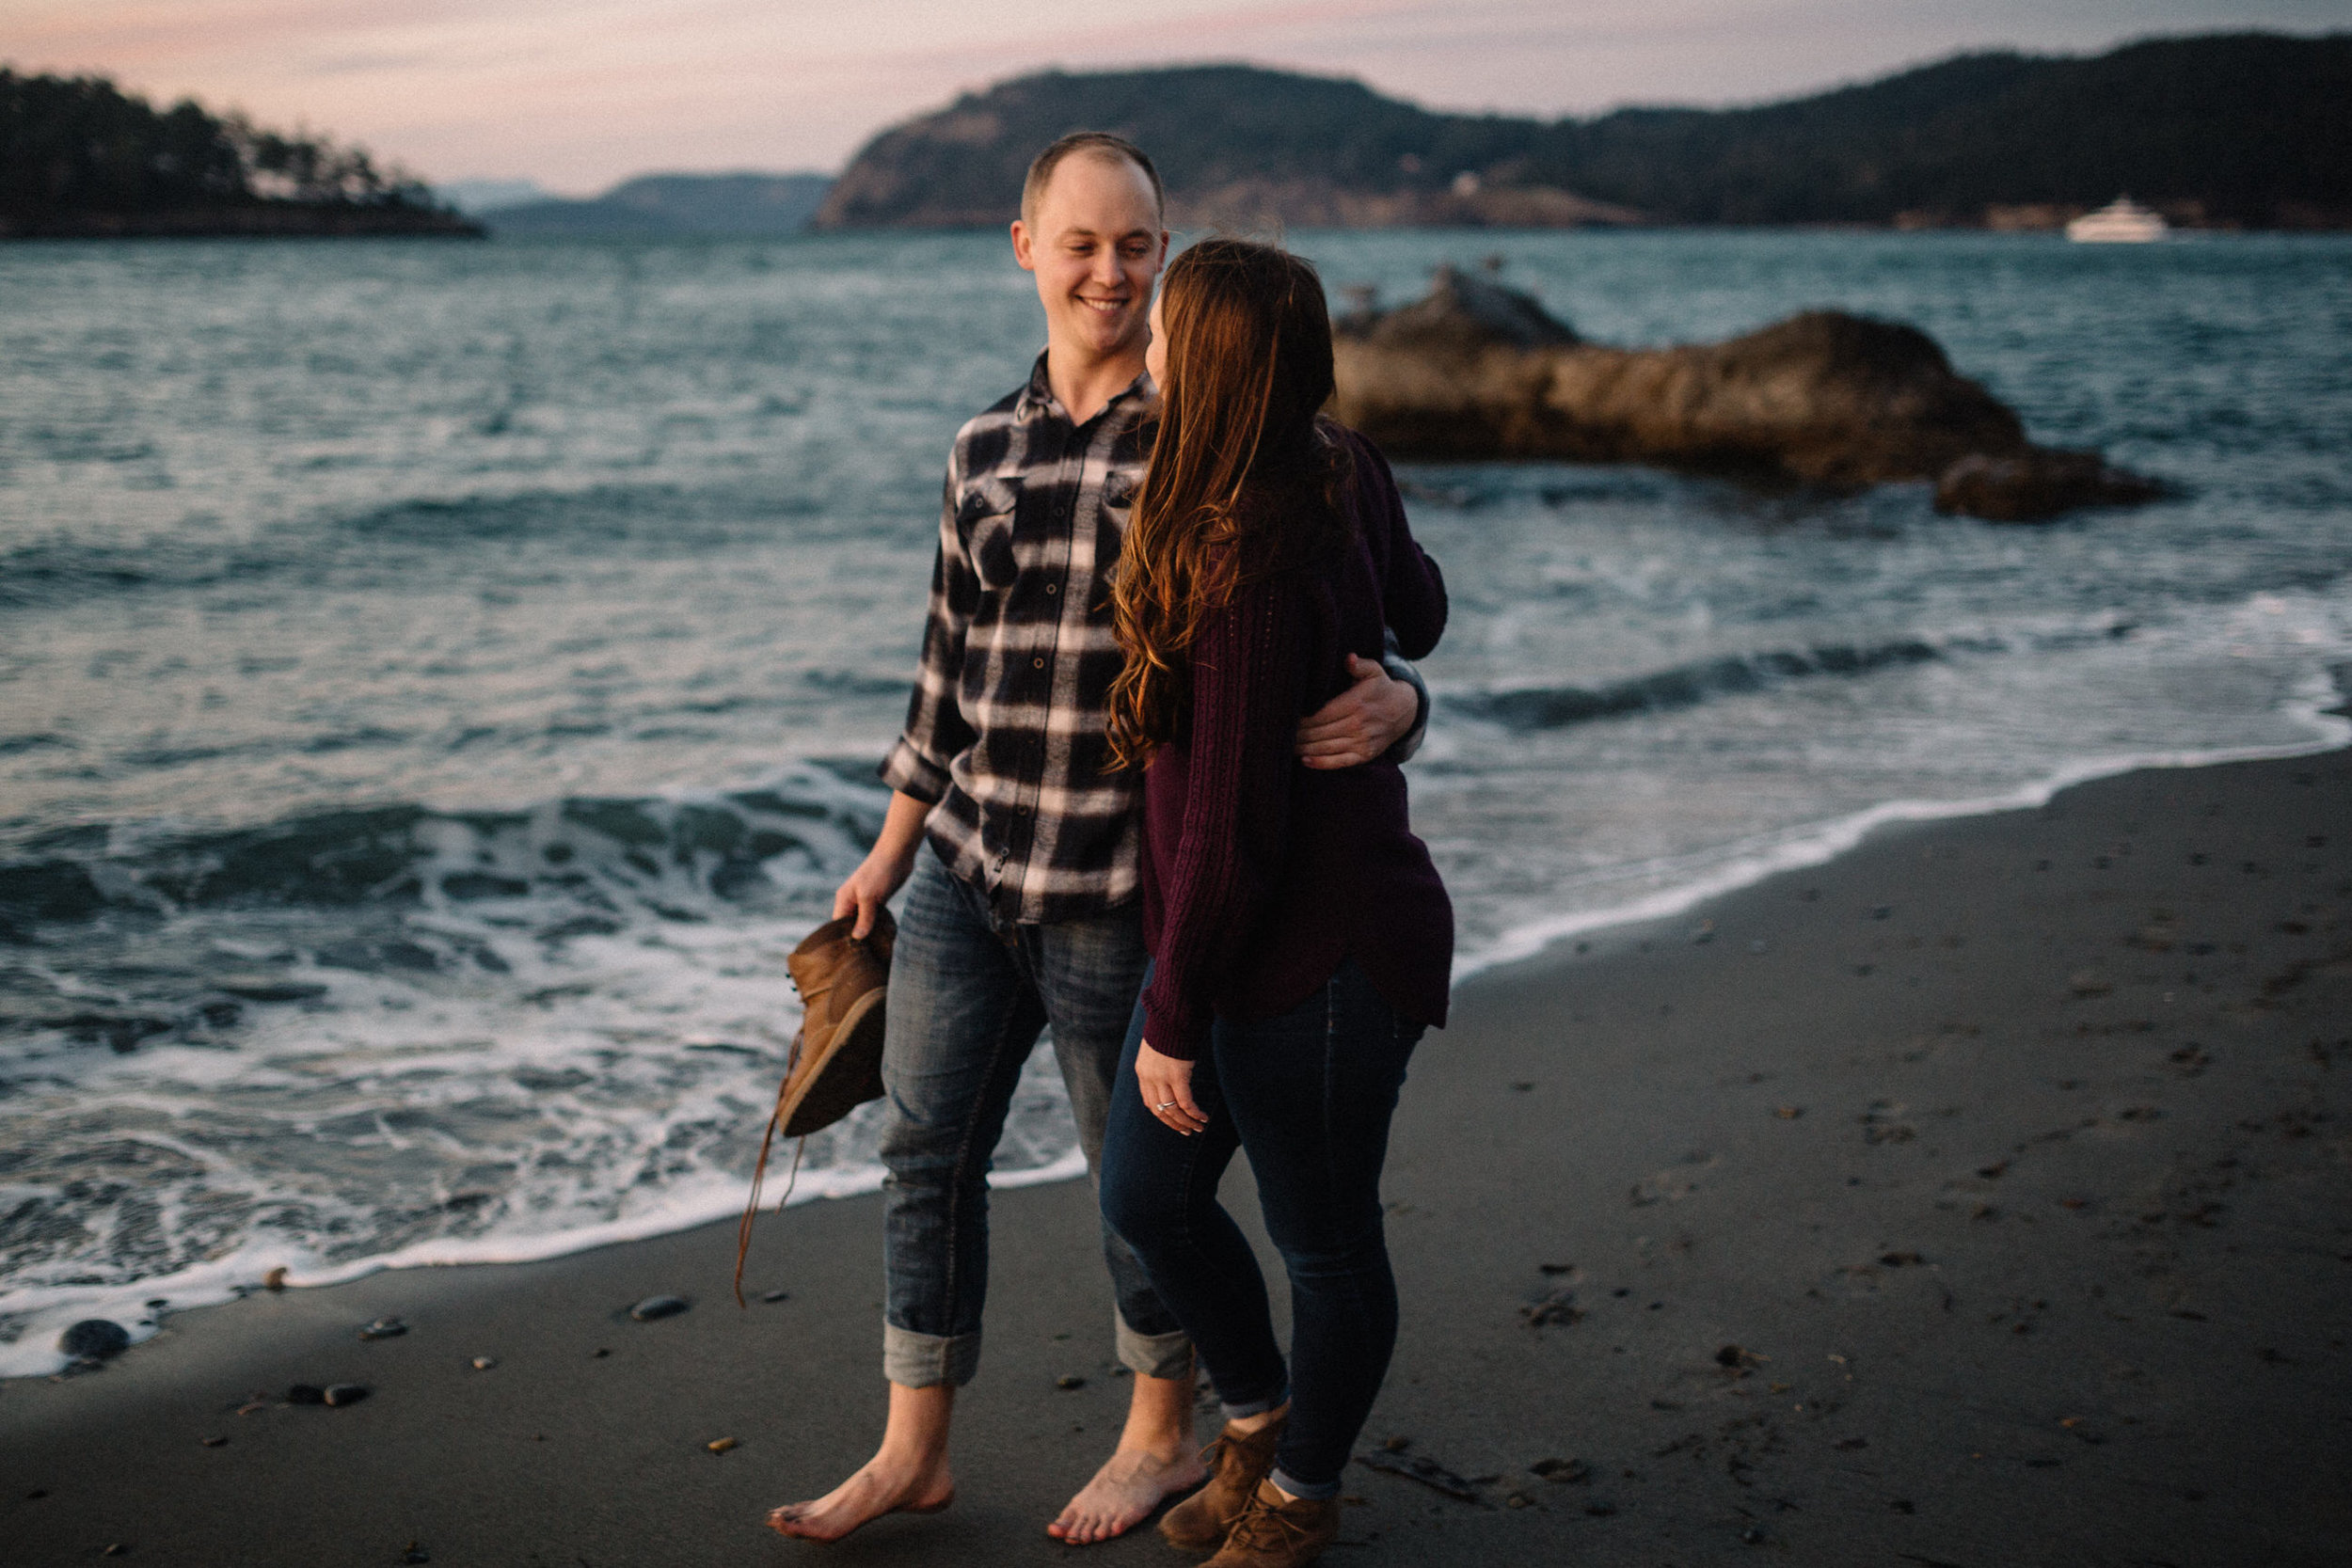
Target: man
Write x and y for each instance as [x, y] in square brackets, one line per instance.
[1028, 911]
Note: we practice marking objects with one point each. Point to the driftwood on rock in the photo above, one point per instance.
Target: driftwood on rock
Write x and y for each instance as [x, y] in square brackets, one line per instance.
[1480, 370]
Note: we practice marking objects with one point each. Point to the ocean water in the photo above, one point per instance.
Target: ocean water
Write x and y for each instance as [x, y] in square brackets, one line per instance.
[439, 683]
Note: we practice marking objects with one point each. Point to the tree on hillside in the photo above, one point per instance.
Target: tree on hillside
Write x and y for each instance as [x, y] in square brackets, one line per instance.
[73, 145]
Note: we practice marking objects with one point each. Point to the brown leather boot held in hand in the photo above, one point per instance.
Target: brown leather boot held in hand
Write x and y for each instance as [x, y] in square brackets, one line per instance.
[836, 1063]
[1237, 1462]
[836, 1057]
[1275, 1531]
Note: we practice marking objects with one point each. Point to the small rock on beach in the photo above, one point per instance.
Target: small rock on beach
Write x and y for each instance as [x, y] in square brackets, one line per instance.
[94, 1340]
[651, 1308]
[384, 1328]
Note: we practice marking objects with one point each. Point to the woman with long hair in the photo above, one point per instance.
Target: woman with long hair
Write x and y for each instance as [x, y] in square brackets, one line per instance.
[1299, 936]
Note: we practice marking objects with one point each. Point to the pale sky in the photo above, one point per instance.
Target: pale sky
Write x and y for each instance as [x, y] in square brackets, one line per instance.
[578, 94]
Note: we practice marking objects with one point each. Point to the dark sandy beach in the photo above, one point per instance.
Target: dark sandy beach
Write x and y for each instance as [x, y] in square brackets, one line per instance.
[1981, 1198]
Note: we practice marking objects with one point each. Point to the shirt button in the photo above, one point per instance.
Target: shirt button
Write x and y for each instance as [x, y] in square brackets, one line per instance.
[1053, 588]
[1037, 664]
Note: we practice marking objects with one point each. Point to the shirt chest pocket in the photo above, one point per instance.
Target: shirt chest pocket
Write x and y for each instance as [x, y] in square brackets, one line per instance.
[1118, 506]
[989, 520]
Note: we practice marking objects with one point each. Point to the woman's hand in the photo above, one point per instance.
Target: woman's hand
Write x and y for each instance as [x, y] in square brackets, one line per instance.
[1168, 1090]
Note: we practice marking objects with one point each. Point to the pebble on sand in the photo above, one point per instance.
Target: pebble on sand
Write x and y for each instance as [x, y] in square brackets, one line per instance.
[345, 1393]
[651, 1308]
[1069, 1381]
[384, 1328]
[94, 1340]
[484, 1363]
[720, 1445]
[275, 1279]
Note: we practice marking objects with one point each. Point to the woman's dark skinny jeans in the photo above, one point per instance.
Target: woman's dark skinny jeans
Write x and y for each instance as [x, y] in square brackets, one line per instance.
[1309, 1094]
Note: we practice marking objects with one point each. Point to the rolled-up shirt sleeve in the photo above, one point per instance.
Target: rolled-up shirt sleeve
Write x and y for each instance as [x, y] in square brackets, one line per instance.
[936, 731]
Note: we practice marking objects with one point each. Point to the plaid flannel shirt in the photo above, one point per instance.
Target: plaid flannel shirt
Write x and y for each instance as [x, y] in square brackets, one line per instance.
[1004, 733]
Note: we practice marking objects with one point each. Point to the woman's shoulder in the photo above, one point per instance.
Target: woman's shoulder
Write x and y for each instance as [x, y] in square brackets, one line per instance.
[1368, 483]
[1362, 452]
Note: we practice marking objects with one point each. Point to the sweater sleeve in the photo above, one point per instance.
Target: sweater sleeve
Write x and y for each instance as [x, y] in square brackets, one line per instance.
[1247, 681]
[1412, 589]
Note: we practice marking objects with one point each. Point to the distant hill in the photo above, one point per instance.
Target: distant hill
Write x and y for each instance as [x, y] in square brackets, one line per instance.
[477, 196]
[81, 159]
[2250, 129]
[676, 204]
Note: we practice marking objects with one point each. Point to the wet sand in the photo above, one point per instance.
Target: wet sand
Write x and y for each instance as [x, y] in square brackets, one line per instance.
[1981, 1198]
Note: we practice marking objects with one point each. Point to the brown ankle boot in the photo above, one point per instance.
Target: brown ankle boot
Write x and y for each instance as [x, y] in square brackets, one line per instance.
[1237, 1462]
[836, 1060]
[1275, 1531]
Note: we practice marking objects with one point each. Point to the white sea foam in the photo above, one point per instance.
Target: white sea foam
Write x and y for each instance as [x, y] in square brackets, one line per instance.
[1698, 878]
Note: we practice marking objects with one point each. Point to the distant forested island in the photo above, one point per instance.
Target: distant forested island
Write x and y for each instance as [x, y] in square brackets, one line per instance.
[81, 159]
[657, 206]
[2241, 130]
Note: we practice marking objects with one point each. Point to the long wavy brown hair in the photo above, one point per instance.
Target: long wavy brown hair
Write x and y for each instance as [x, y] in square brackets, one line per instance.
[1244, 478]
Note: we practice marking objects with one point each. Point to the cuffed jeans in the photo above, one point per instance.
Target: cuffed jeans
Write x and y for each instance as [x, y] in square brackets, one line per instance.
[1309, 1095]
[969, 995]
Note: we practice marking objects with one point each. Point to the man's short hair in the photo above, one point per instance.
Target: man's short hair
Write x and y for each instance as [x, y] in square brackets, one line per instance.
[1096, 144]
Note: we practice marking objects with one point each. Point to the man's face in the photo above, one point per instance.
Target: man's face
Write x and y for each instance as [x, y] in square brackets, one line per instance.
[1095, 246]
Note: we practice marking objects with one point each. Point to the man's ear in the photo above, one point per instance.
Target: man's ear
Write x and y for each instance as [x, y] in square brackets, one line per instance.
[1020, 251]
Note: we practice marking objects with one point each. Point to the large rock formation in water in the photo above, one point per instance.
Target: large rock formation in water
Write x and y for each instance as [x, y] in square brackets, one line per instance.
[1479, 371]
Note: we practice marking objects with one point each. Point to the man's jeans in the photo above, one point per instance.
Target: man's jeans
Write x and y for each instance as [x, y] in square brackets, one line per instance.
[969, 996]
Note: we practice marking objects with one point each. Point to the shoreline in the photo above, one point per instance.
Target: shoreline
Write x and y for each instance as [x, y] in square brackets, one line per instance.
[1889, 1128]
[1818, 844]
[1730, 870]
[256, 221]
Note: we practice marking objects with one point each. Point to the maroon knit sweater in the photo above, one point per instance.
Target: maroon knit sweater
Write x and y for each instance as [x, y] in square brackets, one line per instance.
[1261, 875]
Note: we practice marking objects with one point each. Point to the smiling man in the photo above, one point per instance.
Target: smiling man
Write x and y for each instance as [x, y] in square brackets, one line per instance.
[1026, 914]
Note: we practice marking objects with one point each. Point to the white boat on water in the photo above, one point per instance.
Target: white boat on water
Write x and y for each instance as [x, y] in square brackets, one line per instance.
[2122, 221]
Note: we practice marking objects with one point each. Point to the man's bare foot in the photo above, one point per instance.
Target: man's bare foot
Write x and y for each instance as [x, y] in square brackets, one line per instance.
[886, 1484]
[1131, 1483]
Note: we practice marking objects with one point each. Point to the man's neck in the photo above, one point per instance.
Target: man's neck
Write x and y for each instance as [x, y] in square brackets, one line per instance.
[1084, 382]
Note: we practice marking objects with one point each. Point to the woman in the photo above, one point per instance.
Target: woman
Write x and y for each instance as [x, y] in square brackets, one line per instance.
[1300, 938]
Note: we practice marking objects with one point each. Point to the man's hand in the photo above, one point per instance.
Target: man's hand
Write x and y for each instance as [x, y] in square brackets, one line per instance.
[1362, 722]
[886, 866]
[1166, 1085]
